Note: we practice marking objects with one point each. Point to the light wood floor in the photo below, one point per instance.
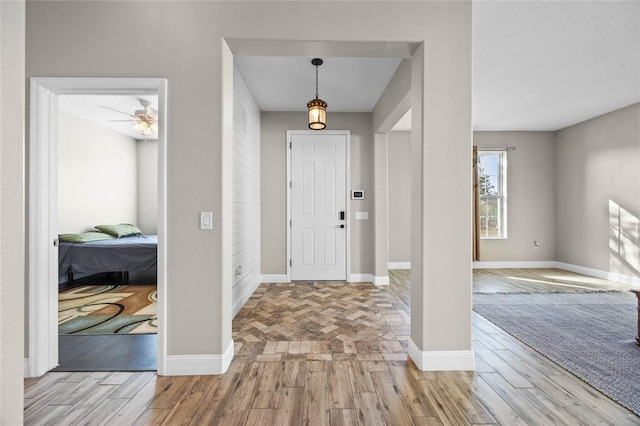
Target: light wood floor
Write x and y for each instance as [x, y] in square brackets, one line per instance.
[348, 367]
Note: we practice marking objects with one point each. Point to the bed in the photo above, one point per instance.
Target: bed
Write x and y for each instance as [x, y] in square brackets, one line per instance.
[130, 253]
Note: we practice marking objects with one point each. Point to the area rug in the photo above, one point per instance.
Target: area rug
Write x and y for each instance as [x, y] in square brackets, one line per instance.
[592, 335]
[108, 309]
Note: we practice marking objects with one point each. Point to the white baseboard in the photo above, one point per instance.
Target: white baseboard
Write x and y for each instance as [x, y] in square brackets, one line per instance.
[353, 278]
[441, 360]
[275, 278]
[361, 278]
[514, 265]
[399, 265]
[381, 280]
[198, 365]
[596, 273]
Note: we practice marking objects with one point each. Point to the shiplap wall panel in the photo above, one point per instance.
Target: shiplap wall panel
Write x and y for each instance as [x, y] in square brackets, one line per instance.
[246, 192]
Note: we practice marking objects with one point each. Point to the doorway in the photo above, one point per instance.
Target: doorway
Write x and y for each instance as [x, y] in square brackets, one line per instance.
[318, 214]
[43, 221]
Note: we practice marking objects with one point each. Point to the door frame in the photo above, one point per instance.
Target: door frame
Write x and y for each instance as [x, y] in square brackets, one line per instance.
[347, 134]
[42, 207]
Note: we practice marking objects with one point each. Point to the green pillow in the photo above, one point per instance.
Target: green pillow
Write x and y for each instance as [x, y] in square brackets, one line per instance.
[84, 237]
[118, 231]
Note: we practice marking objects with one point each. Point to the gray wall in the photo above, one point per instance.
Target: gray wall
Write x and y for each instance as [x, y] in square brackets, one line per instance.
[191, 49]
[530, 200]
[274, 189]
[598, 173]
[399, 191]
[246, 193]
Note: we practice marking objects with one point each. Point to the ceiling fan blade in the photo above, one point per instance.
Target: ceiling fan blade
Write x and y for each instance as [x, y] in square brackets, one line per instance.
[121, 112]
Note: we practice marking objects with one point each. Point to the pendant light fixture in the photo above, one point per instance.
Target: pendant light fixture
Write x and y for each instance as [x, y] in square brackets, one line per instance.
[317, 107]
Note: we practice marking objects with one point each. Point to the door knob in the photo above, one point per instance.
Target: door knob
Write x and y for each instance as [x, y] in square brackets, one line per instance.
[342, 226]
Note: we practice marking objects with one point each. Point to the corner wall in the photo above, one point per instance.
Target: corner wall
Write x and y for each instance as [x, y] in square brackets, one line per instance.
[598, 193]
[530, 200]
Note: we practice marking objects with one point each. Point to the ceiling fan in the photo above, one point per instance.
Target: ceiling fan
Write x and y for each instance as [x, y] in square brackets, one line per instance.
[146, 119]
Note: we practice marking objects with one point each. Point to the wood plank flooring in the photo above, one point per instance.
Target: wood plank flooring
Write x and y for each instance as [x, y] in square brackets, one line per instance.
[107, 352]
[347, 367]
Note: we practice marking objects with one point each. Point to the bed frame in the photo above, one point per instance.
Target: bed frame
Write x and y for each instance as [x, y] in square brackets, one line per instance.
[132, 253]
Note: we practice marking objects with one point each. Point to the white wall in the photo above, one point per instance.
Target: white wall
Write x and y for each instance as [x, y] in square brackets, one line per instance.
[399, 196]
[274, 186]
[97, 176]
[246, 192]
[12, 211]
[598, 184]
[147, 186]
[530, 199]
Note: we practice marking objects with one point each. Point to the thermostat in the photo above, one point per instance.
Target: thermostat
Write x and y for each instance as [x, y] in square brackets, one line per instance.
[357, 194]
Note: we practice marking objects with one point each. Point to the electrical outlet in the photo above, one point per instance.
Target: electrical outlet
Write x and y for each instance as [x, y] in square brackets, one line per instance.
[536, 245]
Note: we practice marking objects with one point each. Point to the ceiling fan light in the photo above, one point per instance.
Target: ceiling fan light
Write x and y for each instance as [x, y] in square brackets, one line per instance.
[140, 126]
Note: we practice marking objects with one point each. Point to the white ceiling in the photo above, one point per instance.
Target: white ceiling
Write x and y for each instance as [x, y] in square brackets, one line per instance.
[546, 65]
[537, 65]
[288, 83]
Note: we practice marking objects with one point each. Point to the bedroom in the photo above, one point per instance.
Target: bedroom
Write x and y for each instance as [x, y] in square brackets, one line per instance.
[107, 175]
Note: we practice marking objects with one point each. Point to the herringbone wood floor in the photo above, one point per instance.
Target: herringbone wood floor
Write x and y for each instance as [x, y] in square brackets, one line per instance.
[333, 353]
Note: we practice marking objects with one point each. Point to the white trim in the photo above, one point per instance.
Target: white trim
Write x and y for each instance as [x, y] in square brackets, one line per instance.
[274, 278]
[27, 365]
[361, 278]
[381, 280]
[441, 360]
[610, 276]
[347, 134]
[199, 365]
[514, 265]
[399, 265]
[42, 256]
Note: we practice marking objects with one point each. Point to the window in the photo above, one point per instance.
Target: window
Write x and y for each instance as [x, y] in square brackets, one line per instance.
[492, 188]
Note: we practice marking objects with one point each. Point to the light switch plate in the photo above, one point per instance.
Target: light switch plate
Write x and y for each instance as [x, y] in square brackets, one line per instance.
[362, 215]
[206, 220]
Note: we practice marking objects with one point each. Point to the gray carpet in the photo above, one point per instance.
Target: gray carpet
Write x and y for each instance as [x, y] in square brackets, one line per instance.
[592, 335]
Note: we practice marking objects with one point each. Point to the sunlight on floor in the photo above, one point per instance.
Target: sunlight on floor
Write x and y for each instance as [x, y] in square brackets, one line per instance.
[550, 283]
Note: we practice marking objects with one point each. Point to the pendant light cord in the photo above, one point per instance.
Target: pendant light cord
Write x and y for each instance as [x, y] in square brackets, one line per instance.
[316, 82]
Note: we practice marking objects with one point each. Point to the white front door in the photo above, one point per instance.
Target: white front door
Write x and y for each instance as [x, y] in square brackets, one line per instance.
[318, 207]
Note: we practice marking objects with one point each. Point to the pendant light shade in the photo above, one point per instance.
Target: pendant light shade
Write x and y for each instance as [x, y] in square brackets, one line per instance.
[317, 107]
